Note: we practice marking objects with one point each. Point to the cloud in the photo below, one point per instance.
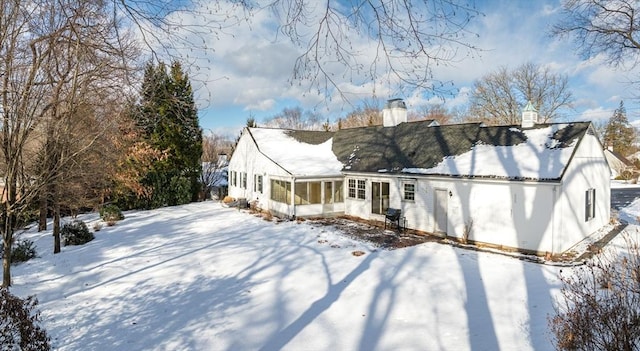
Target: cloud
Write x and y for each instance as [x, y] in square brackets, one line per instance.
[263, 105]
[245, 64]
[595, 114]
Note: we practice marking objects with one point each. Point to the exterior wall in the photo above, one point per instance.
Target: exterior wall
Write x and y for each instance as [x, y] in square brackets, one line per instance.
[248, 159]
[588, 170]
[535, 216]
[502, 213]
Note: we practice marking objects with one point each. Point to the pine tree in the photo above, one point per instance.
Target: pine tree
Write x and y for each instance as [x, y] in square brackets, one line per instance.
[168, 119]
[619, 135]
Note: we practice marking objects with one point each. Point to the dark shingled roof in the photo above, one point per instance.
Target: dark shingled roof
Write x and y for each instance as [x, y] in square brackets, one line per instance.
[309, 136]
[419, 145]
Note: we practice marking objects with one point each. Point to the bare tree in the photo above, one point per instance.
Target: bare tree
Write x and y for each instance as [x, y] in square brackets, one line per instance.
[603, 27]
[215, 153]
[599, 304]
[23, 105]
[498, 97]
[57, 57]
[369, 114]
[408, 38]
[295, 118]
[438, 113]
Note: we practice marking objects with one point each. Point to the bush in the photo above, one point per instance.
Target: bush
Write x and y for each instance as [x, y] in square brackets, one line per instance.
[599, 307]
[76, 233]
[19, 324]
[23, 251]
[111, 213]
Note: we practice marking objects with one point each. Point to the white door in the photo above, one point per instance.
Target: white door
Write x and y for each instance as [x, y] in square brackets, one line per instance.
[440, 211]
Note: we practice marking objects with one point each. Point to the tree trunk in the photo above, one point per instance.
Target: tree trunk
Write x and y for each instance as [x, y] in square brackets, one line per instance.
[7, 240]
[42, 222]
[56, 227]
[6, 262]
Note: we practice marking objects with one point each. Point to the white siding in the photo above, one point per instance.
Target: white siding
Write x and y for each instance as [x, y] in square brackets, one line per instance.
[247, 158]
[588, 170]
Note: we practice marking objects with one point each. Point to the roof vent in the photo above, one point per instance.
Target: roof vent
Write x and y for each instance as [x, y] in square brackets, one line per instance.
[394, 113]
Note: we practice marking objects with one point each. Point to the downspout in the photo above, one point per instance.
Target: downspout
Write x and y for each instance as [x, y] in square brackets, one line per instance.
[553, 219]
[293, 197]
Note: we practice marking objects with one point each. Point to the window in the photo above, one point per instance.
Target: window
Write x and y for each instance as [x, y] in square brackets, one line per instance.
[409, 191]
[307, 193]
[257, 183]
[233, 178]
[356, 189]
[590, 204]
[281, 191]
[243, 180]
[338, 195]
[352, 189]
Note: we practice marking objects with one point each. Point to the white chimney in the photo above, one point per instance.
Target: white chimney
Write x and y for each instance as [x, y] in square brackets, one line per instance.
[394, 113]
[529, 116]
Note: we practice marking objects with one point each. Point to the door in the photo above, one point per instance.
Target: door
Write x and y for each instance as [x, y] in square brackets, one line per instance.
[379, 197]
[440, 211]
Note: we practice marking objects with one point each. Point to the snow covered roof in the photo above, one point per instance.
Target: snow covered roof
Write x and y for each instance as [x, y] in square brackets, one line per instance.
[460, 150]
[463, 150]
[301, 153]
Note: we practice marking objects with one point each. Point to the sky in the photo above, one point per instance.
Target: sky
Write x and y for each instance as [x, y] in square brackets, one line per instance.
[248, 71]
[204, 277]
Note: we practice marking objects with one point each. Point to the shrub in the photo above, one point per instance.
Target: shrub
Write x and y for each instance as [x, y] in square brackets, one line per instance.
[76, 233]
[23, 251]
[111, 213]
[599, 306]
[19, 324]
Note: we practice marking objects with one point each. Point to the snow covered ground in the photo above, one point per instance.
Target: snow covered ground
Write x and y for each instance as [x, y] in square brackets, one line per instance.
[204, 277]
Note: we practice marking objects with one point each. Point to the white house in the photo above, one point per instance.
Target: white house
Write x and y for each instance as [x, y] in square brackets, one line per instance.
[539, 187]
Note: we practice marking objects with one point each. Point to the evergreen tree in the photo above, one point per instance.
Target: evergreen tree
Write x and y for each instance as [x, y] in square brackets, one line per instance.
[168, 119]
[619, 135]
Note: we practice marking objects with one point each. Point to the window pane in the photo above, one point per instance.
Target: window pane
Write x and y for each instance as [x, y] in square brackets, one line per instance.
[352, 188]
[301, 196]
[409, 191]
[328, 192]
[315, 193]
[287, 193]
[361, 189]
[338, 195]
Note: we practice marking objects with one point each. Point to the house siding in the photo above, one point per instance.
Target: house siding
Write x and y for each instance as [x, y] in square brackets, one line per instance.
[247, 158]
[587, 170]
[546, 215]
[504, 213]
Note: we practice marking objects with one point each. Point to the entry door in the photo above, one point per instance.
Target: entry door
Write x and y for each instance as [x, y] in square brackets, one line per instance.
[379, 197]
[440, 211]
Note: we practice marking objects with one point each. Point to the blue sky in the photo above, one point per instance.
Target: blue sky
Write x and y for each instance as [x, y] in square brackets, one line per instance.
[248, 72]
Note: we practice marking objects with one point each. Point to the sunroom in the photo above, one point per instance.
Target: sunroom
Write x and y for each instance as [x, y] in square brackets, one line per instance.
[307, 197]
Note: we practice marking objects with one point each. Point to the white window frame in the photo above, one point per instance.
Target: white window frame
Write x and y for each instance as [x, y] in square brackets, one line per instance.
[590, 204]
[406, 193]
[356, 188]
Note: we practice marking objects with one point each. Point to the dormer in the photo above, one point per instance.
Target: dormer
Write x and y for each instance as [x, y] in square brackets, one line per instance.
[394, 113]
[529, 116]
